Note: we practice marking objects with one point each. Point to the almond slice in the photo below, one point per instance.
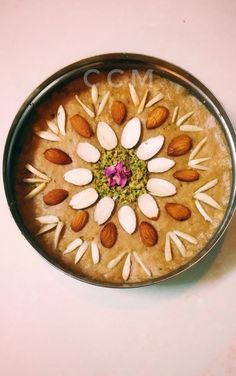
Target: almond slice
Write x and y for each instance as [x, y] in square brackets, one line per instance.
[161, 187]
[52, 126]
[46, 219]
[94, 93]
[103, 210]
[127, 219]
[35, 191]
[168, 253]
[131, 133]
[61, 120]
[36, 172]
[46, 228]
[112, 264]
[178, 243]
[47, 135]
[148, 206]
[197, 148]
[84, 199]
[175, 114]
[95, 252]
[190, 128]
[81, 251]
[103, 103]
[85, 108]
[207, 186]
[133, 94]
[88, 152]
[185, 236]
[57, 234]
[33, 180]
[154, 100]
[73, 245]
[142, 103]
[184, 118]
[150, 147]
[202, 211]
[194, 162]
[106, 136]
[141, 263]
[78, 176]
[204, 197]
[126, 268]
[199, 167]
[160, 164]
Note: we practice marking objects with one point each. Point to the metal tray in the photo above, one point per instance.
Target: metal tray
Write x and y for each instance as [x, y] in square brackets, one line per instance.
[107, 62]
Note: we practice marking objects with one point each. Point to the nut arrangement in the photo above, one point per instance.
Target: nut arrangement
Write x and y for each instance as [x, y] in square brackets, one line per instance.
[118, 176]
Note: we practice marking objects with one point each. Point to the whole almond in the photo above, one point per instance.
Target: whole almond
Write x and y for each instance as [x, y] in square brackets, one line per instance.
[81, 126]
[118, 112]
[180, 145]
[178, 211]
[55, 197]
[157, 117]
[57, 156]
[108, 235]
[187, 175]
[148, 234]
[79, 220]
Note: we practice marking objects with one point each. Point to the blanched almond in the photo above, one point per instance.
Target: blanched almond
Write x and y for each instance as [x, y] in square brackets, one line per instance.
[103, 210]
[127, 218]
[88, 152]
[131, 133]
[150, 147]
[161, 187]
[78, 176]
[84, 199]
[106, 136]
[148, 206]
[159, 165]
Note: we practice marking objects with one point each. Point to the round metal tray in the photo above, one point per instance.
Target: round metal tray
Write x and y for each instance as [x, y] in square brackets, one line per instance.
[103, 63]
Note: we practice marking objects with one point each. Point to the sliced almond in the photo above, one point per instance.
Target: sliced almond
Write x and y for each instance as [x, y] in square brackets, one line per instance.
[95, 252]
[85, 108]
[159, 165]
[46, 219]
[88, 152]
[52, 126]
[141, 263]
[197, 148]
[35, 191]
[148, 206]
[161, 187]
[79, 176]
[112, 264]
[103, 210]
[178, 243]
[126, 268]
[207, 186]
[73, 245]
[94, 93]
[46, 228]
[84, 199]
[168, 252]
[199, 167]
[127, 219]
[103, 103]
[33, 180]
[142, 103]
[133, 94]
[185, 236]
[47, 135]
[190, 128]
[204, 197]
[81, 251]
[131, 133]
[150, 147]
[202, 211]
[57, 234]
[184, 118]
[194, 162]
[36, 172]
[106, 136]
[61, 120]
[175, 114]
[154, 100]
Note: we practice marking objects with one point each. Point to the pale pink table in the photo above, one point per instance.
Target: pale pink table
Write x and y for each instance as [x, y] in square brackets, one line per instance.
[52, 325]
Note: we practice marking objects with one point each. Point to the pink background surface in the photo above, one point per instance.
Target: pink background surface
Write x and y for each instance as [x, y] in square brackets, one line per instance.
[52, 325]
